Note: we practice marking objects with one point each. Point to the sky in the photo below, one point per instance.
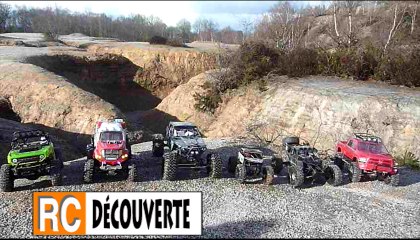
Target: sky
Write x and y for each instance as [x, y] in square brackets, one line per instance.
[225, 13]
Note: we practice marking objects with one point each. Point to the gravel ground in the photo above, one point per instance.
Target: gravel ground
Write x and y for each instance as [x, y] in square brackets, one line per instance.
[358, 210]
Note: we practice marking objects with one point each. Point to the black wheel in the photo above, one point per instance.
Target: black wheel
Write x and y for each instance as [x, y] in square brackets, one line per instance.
[56, 175]
[355, 174]
[130, 155]
[277, 164]
[215, 166]
[89, 151]
[157, 149]
[6, 178]
[59, 156]
[268, 175]
[392, 180]
[169, 166]
[132, 173]
[158, 145]
[333, 175]
[296, 176]
[291, 140]
[89, 171]
[240, 172]
[232, 162]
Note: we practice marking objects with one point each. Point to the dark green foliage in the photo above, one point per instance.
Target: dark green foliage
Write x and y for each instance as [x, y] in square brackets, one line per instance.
[209, 101]
[157, 40]
[299, 62]
[399, 68]
[254, 60]
[409, 159]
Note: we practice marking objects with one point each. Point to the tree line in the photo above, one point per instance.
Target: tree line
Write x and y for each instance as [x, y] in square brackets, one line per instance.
[346, 23]
[132, 28]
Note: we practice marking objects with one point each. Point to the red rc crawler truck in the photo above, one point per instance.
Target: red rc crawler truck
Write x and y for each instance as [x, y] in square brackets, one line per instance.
[365, 154]
[109, 151]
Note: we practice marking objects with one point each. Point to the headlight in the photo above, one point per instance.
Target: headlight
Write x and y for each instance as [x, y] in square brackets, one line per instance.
[363, 160]
[14, 160]
[396, 164]
[42, 157]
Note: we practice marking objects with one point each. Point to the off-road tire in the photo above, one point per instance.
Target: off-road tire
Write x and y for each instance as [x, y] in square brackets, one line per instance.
[6, 178]
[392, 180]
[89, 151]
[132, 173]
[130, 154]
[268, 175]
[240, 173]
[354, 172]
[159, 150]
[296, 175]
[215, 166]
[89, 171]
[277, 164]
[59, 156]
[169, 166]
[55, 174]
[291, 140]
[232, 162]
[337, 176]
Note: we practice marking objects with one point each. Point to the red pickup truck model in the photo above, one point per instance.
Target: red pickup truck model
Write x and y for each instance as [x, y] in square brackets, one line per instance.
[365, 154]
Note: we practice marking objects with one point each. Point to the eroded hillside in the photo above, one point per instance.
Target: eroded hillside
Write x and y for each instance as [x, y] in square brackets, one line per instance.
[319, 109]
[68, 88]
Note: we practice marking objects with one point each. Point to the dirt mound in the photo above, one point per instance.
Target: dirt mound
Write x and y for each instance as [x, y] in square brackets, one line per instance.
[161, 68]
[319, 109]
[43, 98]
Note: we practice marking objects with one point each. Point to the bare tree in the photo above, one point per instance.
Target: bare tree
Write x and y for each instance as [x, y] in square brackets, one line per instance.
[413, 18]
[335, 18]
[351, 6]
[5, 10]
[268, 132]
[247, 25]
[184, 27]
[396, 23]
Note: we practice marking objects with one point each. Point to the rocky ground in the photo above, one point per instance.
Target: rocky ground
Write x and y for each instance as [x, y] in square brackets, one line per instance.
[354, 210]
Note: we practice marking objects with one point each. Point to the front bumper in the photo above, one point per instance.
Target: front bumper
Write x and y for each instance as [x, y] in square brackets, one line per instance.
[105, 167]
[374, 168]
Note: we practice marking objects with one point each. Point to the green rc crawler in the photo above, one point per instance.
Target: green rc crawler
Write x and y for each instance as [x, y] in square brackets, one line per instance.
[32, 155]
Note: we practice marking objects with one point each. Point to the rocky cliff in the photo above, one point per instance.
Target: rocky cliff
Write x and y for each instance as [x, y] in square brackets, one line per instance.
[322, 110]
[162, 68]
[41, 97]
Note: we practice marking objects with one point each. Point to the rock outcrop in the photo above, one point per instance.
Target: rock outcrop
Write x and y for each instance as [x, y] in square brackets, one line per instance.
[41, 97]
[321, 110]
[162, 68]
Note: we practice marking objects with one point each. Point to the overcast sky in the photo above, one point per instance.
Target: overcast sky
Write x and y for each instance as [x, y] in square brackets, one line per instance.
[223, 12]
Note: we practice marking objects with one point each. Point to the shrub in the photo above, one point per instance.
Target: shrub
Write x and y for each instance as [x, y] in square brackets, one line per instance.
[208, 101]
[408, 159]
[397, 68]
[158, 40]
[175, 43]
[299, 62]
[50, 36]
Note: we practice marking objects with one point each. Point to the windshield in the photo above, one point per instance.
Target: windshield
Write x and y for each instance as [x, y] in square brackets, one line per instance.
[42, 140]
[111, 136]
[375, 148]
[186, 131]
